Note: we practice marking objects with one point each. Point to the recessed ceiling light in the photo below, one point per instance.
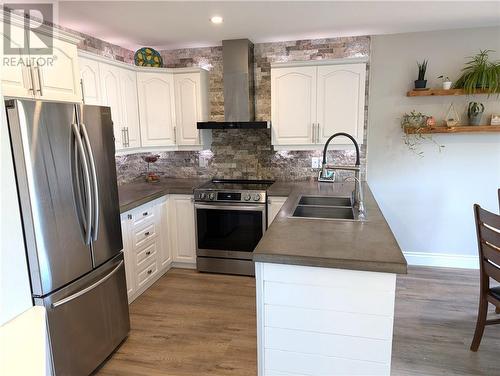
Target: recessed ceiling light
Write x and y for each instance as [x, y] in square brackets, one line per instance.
[216, 19]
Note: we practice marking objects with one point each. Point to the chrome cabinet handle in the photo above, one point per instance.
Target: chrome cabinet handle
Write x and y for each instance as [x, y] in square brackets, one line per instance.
[86, 179]
[95, 185]
[83, 91]
[129, 216]
[145, 213]
[87, 289]
[32, 79]
[147, 233]
[317, 133]
[148, 253]
[128, 137]
[150, 271]
[37, 68]
[313, 137]
[175, 135]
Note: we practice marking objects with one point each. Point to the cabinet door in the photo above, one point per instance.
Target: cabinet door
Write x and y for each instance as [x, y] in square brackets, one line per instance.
[183, 228]
[130, 108]
[187, 108]
[165, 254]
[91, 81]
[16, 79]
[128, 257]
[110, 89]
[59, 80]
[341, 101]
[156, 108]
[293, 105]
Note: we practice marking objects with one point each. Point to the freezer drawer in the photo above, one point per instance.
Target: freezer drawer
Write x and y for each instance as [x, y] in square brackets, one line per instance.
[88, 319]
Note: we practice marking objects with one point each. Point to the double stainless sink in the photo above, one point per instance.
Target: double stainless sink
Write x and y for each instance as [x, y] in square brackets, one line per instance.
[327, 208]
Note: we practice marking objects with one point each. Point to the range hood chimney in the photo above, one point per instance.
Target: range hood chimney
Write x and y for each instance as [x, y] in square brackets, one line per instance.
[239, 88]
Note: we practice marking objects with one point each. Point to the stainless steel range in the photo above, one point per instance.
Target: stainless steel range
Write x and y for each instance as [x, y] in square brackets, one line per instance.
[231, 217]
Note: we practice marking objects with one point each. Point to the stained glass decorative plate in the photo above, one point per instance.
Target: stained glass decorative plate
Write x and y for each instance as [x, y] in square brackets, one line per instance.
[148, 57]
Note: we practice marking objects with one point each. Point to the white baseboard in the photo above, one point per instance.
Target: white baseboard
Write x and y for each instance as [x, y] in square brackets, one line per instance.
[442, 260]
[183, 265]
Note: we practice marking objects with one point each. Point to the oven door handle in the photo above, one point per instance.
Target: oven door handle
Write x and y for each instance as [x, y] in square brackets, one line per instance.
[231, 207]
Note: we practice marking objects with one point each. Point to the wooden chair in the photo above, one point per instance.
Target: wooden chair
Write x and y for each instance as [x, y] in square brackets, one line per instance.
[488, 238]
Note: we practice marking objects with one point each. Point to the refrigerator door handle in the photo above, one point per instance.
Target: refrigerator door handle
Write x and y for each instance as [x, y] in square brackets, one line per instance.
[95, 190]
[86, 179]
[88, 288]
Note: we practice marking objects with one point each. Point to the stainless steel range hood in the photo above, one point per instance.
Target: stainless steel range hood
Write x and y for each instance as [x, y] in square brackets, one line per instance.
[239, 89]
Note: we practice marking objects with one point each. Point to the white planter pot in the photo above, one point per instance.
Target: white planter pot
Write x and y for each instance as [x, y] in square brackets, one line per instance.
[447, 85]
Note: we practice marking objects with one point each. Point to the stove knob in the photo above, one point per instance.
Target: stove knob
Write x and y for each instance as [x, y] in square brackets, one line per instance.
[211, 196]
[203, 196]
[256, 197]
[246, 197]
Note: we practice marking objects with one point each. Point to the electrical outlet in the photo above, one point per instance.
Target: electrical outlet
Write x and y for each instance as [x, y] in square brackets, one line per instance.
[315, 162]
[203, 161]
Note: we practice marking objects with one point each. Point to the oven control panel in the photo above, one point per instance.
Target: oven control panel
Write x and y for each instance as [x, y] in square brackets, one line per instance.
[250, 197]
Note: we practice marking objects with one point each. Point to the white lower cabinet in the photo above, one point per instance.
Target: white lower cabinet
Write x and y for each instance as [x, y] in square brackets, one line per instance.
[275, 203]
[156, 236]
[182, 225]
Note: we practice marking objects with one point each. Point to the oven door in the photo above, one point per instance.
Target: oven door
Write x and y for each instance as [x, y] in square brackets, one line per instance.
[229, 230]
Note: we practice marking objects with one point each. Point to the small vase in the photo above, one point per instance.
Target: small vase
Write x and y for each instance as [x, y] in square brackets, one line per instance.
[420, 84]
[475, 119]
[447, 85]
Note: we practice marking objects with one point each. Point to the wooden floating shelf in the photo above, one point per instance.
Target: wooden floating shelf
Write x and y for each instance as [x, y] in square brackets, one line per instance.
[458, 129]
[441, 92]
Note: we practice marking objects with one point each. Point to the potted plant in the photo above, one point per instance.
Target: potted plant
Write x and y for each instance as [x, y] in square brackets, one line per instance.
[421, 82]
[414, 125]
[446, 82]
[475, 112]
[479, 73]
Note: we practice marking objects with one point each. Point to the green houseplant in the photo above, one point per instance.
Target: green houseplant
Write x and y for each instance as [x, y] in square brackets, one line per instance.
[475, 112]
[421, 81]
[413, 125]
[480, 73]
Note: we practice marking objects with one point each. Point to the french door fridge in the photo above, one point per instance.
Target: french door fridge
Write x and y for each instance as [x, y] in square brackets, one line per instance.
[66, 178]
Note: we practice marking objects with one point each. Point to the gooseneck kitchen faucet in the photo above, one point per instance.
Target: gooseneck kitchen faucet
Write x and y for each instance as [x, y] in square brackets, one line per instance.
[326, 176]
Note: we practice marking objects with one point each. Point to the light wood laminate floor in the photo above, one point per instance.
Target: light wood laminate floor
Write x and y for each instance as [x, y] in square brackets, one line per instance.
[189, 323]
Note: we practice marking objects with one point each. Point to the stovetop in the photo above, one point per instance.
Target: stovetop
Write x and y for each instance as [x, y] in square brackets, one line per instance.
[237, 185]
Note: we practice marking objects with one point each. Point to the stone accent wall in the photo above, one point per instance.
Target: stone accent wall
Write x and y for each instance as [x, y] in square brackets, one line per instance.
[249, 153]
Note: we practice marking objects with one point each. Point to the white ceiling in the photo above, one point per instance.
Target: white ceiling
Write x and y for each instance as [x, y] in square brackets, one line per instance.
[169, 25]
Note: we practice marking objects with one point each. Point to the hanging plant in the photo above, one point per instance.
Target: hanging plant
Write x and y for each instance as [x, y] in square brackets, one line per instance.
[416, 122]
[479, 73]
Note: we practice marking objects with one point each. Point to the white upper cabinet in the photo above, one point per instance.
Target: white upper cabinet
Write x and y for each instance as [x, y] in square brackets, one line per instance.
[309, 103]
[111, 96]
[190, 106]
[341, 101]
[50, 77]
[293, 105]
[130, 108]
[60, 80]
[91, 81]
[156, 108]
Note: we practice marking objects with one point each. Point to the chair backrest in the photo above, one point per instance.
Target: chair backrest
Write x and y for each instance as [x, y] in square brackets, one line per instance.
[488, 238]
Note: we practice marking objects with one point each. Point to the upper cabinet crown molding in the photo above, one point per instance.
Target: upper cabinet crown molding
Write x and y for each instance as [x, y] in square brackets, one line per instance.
[61, 34]
[311, 102]
[316, 63]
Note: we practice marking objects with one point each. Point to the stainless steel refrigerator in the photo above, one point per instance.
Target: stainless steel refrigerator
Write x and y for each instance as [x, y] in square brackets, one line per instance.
[66, 178]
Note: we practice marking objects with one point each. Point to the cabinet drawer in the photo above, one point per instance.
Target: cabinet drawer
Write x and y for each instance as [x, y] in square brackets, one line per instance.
[146, 255]
[144, 234]
[142, 215]
[148, 273]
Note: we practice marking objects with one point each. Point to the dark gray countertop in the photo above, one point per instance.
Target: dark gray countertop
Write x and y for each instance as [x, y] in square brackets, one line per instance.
[139, 192]
[368, 246]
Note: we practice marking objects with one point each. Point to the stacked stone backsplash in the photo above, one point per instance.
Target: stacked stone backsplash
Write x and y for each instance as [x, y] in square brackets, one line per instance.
[249, 153]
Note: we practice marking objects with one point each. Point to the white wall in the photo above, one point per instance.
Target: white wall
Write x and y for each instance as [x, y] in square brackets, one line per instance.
[15, 290]
[428, 201]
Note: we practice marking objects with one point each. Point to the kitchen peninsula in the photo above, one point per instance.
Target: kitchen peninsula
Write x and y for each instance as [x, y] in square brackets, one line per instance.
[326, 288]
